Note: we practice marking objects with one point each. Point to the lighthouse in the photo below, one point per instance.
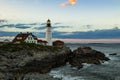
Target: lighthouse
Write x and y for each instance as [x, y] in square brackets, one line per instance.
[48, 33]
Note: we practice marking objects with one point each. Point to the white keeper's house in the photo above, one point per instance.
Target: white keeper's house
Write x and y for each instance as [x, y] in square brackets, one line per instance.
[28, 38]
[25, 37]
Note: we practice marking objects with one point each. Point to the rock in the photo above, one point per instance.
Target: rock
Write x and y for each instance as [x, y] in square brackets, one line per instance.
[86, 54]
[18, 60]
[32, 62]
[46, 64]
[37, 76]
[2, 76]
[113, 54]
[75, 63]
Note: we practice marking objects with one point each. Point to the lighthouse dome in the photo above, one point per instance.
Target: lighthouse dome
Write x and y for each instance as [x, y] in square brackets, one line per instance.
[48, 23]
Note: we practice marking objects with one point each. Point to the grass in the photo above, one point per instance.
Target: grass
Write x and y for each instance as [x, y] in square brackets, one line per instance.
[27, 46]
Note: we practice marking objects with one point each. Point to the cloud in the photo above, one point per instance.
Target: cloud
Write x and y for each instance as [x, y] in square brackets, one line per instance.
[23, 26]
[88, 26]
[58, 23]
[18, 25]
[43, 24]
[53, 27]
[30, 24]
[36, 27]
[61, 26]
[1, 20]
[7, 25]
[69, 2]
[97, 34]
[59, 30]
[40, 28]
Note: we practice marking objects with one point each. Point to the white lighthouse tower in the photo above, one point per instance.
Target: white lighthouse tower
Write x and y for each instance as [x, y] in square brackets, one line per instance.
[48, 33]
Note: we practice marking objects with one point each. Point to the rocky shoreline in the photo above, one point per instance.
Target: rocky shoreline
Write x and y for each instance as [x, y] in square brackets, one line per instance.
[30, 61]
[87, 55]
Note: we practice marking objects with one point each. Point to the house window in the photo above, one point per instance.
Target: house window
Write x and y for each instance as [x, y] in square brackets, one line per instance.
[29, 38]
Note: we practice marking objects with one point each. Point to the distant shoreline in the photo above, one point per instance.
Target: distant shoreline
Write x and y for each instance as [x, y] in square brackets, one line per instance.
[70, 40]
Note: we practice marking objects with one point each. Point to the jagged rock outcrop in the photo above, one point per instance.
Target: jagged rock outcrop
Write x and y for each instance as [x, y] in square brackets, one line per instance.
[113, 54]
[31, 61]
[86, 54]
[18, 60]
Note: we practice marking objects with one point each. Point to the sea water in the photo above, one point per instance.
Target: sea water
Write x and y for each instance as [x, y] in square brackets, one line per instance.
[109, 70]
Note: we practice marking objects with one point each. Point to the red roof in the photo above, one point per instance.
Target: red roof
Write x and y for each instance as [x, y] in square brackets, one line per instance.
[42, 41]
[22, 37]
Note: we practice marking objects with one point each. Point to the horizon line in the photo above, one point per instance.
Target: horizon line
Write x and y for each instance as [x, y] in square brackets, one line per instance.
[71, 40]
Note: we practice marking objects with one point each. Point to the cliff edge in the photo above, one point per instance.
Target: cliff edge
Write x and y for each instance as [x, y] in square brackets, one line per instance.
[17, 60]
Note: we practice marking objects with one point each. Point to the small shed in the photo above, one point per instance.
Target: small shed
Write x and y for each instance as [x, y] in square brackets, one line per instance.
[58, 43]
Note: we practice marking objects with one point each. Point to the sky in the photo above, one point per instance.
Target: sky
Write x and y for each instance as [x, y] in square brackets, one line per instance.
[84, 17]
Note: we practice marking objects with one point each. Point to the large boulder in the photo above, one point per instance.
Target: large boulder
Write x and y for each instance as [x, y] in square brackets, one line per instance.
[86, 54]
[17, 60]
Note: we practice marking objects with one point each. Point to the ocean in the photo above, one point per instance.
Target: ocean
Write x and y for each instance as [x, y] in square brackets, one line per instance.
[109, 70]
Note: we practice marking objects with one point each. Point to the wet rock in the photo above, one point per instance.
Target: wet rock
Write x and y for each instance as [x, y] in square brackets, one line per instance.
[46, 64]
[86, 54]
[113, 54]
[19, 60]
[37, 76]
[2, 76]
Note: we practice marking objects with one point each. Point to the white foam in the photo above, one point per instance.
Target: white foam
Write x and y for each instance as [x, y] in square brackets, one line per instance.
[85, 65]
[68, 77]
[59, 74]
